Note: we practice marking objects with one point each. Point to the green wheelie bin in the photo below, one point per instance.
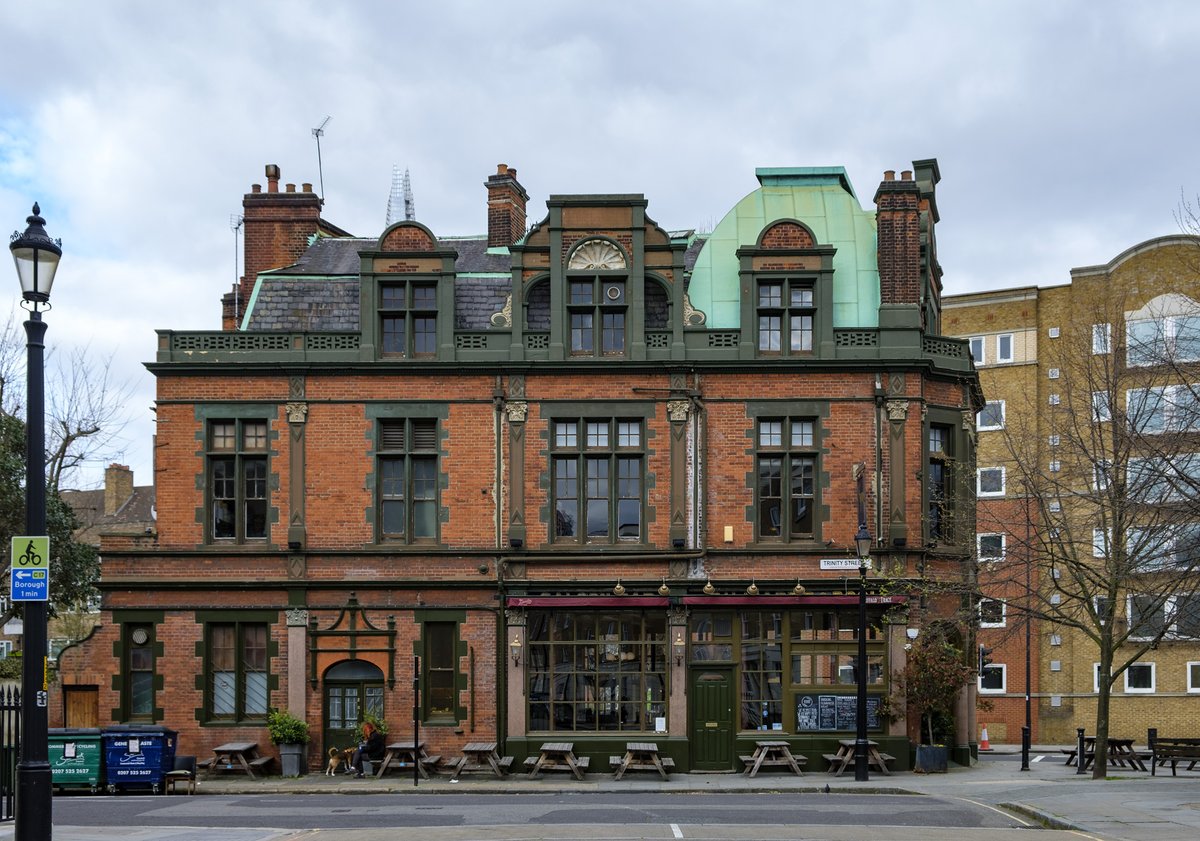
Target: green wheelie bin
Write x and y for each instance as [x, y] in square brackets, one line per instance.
[75, 754]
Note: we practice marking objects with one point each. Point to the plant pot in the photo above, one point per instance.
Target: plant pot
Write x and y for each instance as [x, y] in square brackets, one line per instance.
[292, 759]
[931, 759]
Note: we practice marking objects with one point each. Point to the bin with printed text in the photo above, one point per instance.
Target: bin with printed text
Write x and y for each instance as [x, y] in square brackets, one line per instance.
[76, 756]
[138, 757]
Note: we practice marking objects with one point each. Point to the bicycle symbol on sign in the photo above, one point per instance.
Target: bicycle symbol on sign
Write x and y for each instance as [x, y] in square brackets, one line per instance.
[29, 557]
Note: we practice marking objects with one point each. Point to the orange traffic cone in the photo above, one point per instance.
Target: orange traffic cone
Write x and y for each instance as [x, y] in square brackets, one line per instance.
[983, 741]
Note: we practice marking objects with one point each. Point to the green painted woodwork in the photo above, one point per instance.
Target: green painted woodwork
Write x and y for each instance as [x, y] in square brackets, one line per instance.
[712, 701]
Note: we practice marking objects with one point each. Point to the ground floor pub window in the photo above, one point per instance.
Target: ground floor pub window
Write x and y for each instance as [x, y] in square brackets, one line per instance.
[798, 669]
[593, 671]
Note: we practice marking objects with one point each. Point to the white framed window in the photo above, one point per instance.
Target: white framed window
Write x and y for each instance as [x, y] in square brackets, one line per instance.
[1100, 605]
[1153, 341]
[1183, 616]
[1053, 373]
[1095, 677]
[6, 648]
[977, 350]
[1055, 466]
[1101, 338]
[1056, 639]
[1147, 616]
[1054, 506]
[1139, 678]
[989, 481]
[1193, 676]
[1055, 440]
[1056, 665]
[992, 613]
[991, 416]
[1171, 408]
[1055, 399]
[1052, 332]
[1004, 347]
[993, 679]
[1100, 471]
[1099, 543]
[990, 546]
[1101, 407]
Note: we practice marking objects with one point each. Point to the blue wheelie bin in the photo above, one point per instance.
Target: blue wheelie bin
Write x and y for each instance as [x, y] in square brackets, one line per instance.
[138, 756]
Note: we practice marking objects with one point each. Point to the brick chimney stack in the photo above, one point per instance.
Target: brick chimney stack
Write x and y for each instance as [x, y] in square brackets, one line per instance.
[118, 487]
[277, 228]
[506, 207]
[898, 225]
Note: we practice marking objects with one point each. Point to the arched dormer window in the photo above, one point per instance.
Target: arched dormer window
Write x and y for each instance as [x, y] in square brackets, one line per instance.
[596, 299]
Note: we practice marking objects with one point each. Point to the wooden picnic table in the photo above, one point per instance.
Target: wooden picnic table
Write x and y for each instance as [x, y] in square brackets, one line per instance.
[557, 756]
[1121, 752]
[481, 756]
[771, 754]
[240, 757]
[640, 756]
[838, 762]
[405, 755]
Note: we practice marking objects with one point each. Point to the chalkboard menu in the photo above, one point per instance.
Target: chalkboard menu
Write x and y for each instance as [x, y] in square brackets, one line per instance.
[833, 712]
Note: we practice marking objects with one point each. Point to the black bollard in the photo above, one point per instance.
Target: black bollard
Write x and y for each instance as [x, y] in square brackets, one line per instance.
[1025, 737]
[1079, 761]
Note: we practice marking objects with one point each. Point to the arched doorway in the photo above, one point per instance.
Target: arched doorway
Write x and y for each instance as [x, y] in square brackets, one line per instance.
[353, 689]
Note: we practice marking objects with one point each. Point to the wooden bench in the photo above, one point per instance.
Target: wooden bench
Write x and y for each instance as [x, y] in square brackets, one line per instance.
[261, 763]
[505, 762]
[581, 761]
[1174, 751]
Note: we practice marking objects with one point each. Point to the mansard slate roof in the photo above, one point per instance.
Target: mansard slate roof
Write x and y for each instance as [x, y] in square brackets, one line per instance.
[320, 291]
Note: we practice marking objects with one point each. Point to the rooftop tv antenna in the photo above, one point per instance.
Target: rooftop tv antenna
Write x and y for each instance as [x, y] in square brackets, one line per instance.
[235, 225]
[317, 133]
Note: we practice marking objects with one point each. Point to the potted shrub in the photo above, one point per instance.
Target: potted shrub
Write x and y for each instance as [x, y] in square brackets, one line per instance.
[933, 676]
[290, 734]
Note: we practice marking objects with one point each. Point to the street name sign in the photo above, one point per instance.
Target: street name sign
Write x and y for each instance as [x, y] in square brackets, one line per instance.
[30, 569]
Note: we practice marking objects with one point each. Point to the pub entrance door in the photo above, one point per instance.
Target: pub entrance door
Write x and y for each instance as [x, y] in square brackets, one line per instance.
[353, 689]
[711, 719]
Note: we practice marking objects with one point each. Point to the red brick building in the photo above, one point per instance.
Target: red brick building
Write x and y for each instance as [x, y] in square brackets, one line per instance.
[592, 478]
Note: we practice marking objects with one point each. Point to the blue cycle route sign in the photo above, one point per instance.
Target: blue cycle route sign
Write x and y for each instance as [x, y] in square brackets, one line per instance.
[30, 569]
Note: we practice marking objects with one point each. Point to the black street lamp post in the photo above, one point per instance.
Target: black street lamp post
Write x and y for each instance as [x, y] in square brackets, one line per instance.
[36, 256]
[862, 540]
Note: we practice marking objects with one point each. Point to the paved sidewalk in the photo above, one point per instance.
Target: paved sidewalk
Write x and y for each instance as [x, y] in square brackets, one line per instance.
[1128, 805]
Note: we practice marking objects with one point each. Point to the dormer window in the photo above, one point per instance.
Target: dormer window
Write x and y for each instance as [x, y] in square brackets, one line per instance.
[408, 319]
[785, 316]
[596, 299]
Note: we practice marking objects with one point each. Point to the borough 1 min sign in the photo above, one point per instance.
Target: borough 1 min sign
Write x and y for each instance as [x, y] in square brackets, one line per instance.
[30, 569]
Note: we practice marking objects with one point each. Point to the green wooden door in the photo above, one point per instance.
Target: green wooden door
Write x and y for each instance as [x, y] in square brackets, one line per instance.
[712, 720]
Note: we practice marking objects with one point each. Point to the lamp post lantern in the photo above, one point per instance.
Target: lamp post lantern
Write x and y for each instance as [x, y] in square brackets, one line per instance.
[862, 541]
[36, 257]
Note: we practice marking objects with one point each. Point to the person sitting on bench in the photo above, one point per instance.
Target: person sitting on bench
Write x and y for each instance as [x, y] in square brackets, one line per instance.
[370, 748]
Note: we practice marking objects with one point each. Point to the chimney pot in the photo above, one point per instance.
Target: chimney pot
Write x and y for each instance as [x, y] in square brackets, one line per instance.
[501, 169]
[306, 187]
[512, 172]
[889, 175]
[906, 175]
[291, 188]
[272, 178]
[256, 188]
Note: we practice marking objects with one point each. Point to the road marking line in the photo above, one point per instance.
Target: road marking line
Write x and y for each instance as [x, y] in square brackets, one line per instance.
[997, 810]
[675, 831]
[1038, 758]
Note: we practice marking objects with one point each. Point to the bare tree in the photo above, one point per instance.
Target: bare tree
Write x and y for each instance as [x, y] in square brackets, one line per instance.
[1109, 468]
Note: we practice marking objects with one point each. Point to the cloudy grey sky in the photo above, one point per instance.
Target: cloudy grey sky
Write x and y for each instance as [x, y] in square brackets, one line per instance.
[1065, 131]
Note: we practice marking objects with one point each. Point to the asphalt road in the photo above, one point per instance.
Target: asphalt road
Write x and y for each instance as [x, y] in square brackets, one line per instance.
[601, 815]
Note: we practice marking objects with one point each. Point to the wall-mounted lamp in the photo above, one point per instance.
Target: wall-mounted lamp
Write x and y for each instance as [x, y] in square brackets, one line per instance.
[514, 649]
[619, 590]
[798, 590]
[679, 647]
[752, 590]
[709, 589]
[663, 589]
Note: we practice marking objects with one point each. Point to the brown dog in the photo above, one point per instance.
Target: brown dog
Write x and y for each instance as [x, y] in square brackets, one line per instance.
[339, 759]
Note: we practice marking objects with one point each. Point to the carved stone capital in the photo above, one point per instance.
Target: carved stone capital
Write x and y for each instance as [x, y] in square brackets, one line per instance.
[968, 421]
[297, 617]
[897, 410]
[517, 410]
[692, 317]
[514, 617]
[297, 412]
[677, 410]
